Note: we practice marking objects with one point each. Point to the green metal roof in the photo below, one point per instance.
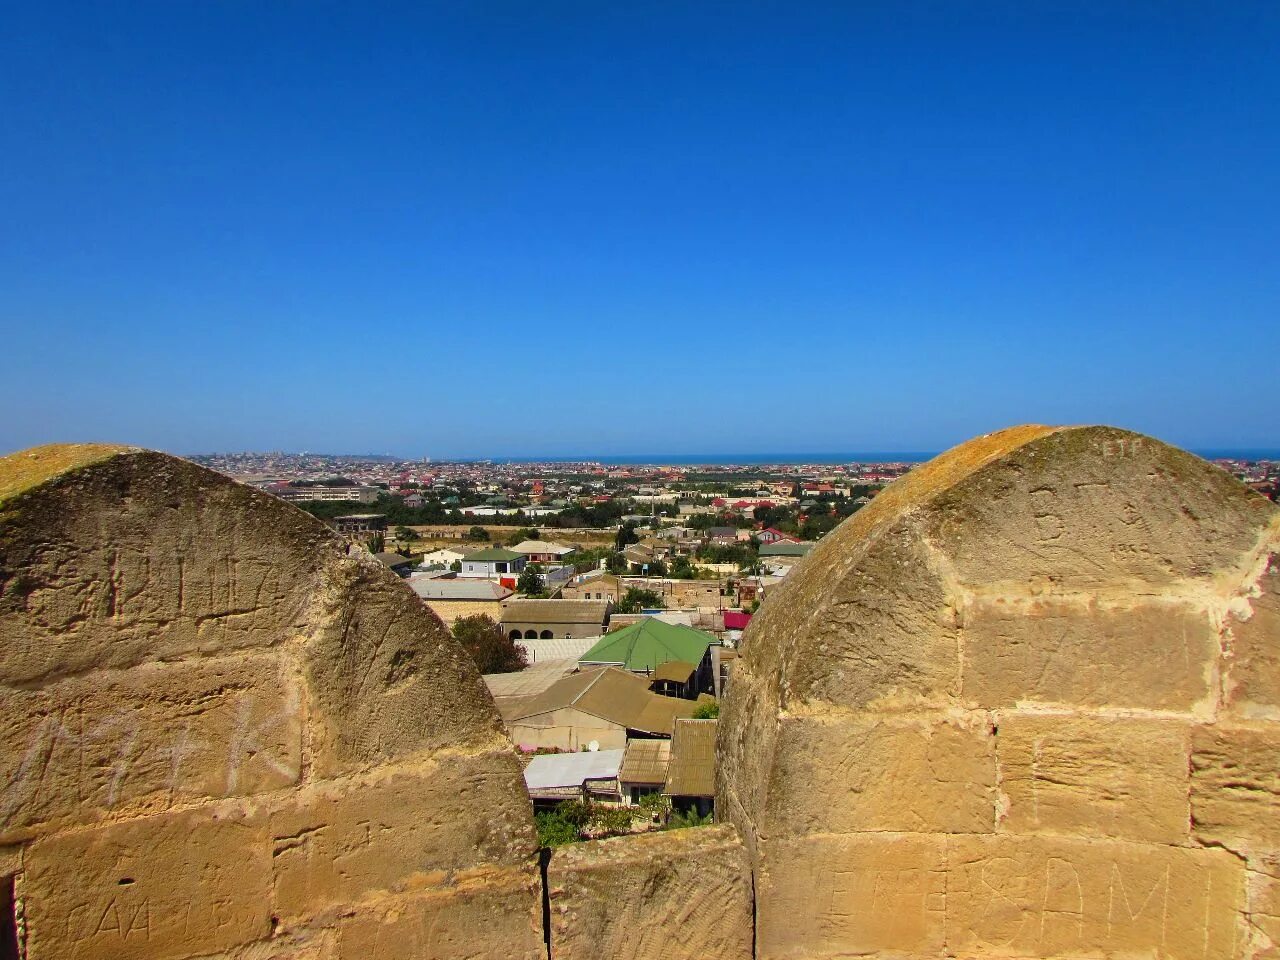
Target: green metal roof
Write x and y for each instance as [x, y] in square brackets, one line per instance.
[645, 645]
[785, 549]
[491, 554]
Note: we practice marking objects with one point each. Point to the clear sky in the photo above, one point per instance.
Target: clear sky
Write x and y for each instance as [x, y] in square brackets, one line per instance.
[572, 228]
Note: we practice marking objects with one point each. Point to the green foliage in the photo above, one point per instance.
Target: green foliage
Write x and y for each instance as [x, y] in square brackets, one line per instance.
[681, 820]
[456, 566]
[616, 563]
[531, 582]
[521, 535]
[707, 711]
[554, 830]
[681, 569]
[626, 535]
[656, 806]
[377, 543]
[611, 820]
[491, 649]
[477, 533]
[404, 534]
[736, 553]
[589, 558]
[635, 599]
[575, 812]
[574, 820]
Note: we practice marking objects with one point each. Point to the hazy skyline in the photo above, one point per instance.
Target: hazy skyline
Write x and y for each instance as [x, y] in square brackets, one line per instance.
[497, 230]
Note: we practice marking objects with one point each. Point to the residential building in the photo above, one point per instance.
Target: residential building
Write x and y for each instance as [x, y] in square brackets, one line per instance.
[396, 563]
[557, 648]
[360, 526]
[644, 646]
[443, 557]
[552, 778]
[722, 536]
[452, 599]
[691, 773]
[675, 678]
[542, 551]
[596, 585]
[549, 619]
[604, 706]
[326, 494]
[494, 563]
[786, 549]
[644, 769]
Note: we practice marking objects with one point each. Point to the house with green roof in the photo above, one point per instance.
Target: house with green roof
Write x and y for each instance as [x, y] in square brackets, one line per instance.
[647, 644]
[493, 563]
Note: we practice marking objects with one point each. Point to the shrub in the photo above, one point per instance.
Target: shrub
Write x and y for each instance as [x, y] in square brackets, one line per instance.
[680, 820]
[554, 830]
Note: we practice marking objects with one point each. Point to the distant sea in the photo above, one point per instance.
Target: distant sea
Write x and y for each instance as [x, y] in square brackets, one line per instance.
[872, 456]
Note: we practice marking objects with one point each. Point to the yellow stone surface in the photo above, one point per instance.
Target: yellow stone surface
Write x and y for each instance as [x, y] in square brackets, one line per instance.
[1235, 786]
[1119, 777]
[1016, 708]
[884, 772]
[226, 733]
[139, 740]
[1253, 672]
[1042, 897]
[832, 895]
[339, 841]
[173, 885]
[677, 895]
[1089, 655]
[490, 916]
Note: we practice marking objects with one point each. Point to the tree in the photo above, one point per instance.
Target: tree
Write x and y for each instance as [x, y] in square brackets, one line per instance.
[707, 711]
[377, 543]
[477, 533]
[636, 600]
[681, 569]
[404, 534]
[616, 563]
[526, 533]
[456, 566]
[531, 582]
[491, 649]
[626, 535]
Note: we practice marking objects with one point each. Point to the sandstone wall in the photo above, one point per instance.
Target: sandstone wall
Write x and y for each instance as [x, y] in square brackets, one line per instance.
[1026, 704]
[680, 895]
[222, 733]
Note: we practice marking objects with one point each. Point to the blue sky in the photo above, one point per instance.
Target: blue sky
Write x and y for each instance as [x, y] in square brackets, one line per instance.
[571, 228]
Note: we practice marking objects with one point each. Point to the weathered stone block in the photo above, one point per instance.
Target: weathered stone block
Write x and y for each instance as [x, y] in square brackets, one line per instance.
[143, 739]
[1235, 786]
[338, 841]
[839, 773]
[490, 915]
[142, 556]
[1091, 507]
[1253, 672]
[1066, 652]
[170, 886]
[1094, 776]
[1041, 897]
[667, 896]
[882, 633]
[385, 678]
[842, 896]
